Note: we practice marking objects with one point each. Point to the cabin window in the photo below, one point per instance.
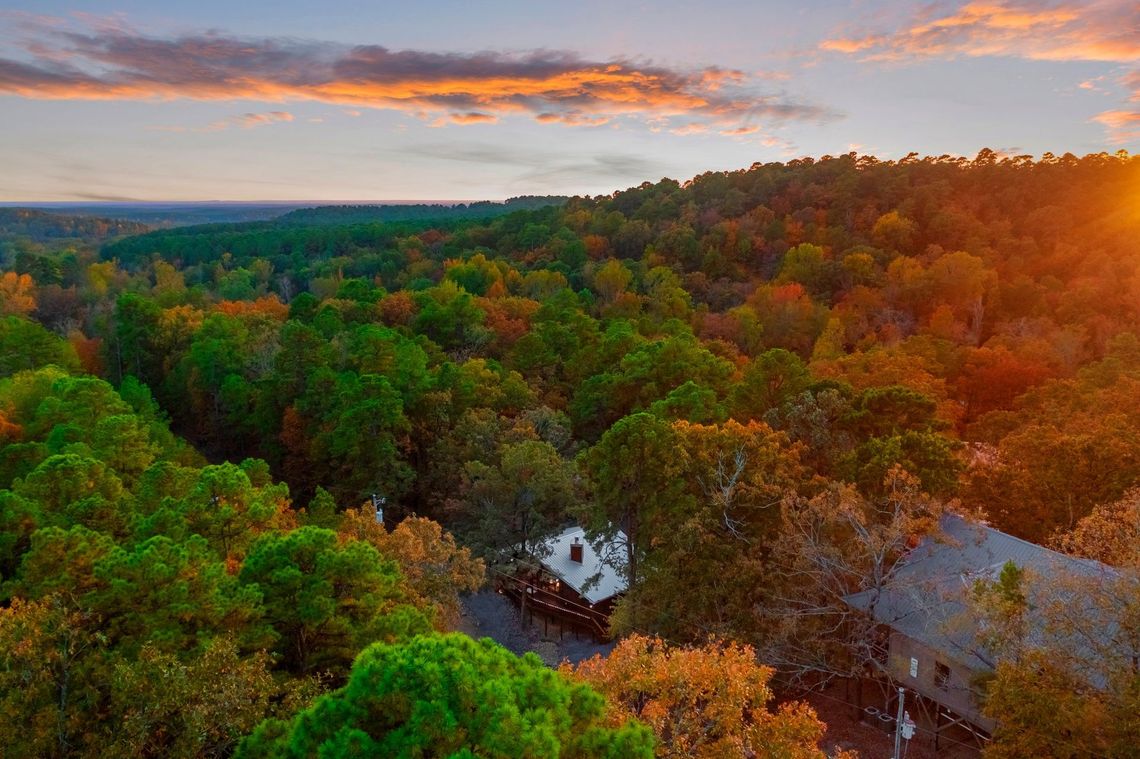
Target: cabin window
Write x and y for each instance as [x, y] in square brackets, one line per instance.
[880, 646]
[941, 676]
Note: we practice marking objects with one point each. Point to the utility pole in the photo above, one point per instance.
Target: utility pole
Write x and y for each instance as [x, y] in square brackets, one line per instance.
[899, 723]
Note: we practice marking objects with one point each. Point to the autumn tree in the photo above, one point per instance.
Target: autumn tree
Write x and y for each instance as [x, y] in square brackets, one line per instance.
[705, 702]
[1109, 534]
[1064, 645]
[46, 650]
[434, 567]
[832, 545]
[17, 294]
[1069, 445]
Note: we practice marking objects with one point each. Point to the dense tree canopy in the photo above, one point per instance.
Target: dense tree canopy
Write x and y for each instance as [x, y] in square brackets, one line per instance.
[739, 372]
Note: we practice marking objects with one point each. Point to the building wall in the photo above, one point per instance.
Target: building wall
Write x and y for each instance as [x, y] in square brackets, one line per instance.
[954, 691]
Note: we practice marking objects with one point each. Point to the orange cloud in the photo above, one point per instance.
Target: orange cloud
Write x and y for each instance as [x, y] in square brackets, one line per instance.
[1097, 31]
[251, 120]
[572, 118]
[473, 117]
[552, 87]
[1103, 30]
[244, 121]
[1122, 126]
[851, 45]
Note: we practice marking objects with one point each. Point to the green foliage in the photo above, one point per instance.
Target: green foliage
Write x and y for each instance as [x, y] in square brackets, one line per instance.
[325, 599]
[451, 696]
[519, 503]
[931, 458]
[25, 345]
[635, 469]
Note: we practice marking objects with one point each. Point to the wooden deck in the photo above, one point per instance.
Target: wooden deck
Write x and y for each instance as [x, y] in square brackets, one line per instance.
[545, 601]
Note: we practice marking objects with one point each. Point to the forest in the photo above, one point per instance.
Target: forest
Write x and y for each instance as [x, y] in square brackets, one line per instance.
[771, 381]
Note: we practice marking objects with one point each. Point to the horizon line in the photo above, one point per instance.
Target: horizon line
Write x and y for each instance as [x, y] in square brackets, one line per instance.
[382, 201]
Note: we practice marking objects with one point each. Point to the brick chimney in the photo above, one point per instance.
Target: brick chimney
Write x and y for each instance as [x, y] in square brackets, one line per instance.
[576, 551]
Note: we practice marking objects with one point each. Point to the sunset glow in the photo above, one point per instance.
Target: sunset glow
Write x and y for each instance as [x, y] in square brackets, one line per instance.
[356, 108]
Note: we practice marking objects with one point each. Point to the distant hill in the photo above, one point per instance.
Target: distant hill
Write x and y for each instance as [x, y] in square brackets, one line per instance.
[367, 214]
[41, 226]
[164, 215]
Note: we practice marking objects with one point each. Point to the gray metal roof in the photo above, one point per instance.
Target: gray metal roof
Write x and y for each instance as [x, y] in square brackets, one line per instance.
[594, 579]
[925, 599]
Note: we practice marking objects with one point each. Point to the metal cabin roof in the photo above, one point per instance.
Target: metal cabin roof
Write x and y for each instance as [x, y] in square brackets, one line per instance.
[925, 600]
[600, 579]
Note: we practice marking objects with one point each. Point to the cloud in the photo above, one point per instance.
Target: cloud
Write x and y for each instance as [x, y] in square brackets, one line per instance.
[572, 118]
[242, 121]
[474, 117]
[251, 120]
[540, 168]
[1070, 31]
[600, 167]
[118, 63]
[1123, 126]
[1106, 31]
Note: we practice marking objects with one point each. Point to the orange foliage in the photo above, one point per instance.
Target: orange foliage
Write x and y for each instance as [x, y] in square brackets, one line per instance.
[10, 432]
[508, 318]
[17, 294]
[993, 377]
[267, 305]
[90, 352]
[398, 309]
[497, 289]
[882, 367]
[789, 293]
[293, 435]
[703, 702]
[180, 322]
[434, 566]
[597, 247]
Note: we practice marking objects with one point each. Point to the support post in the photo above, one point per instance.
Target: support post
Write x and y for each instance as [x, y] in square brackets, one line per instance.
[898, 723]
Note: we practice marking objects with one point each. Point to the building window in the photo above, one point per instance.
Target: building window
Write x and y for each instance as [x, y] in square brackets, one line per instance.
[941, 676]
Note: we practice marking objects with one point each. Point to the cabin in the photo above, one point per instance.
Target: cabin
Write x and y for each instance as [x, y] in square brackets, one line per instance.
[927, 641]
[575, 586]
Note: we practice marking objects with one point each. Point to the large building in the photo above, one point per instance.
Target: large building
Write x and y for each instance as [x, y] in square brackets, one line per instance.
[931, 643]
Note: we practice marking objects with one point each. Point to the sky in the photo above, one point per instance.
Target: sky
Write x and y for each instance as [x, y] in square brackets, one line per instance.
[140, 100]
